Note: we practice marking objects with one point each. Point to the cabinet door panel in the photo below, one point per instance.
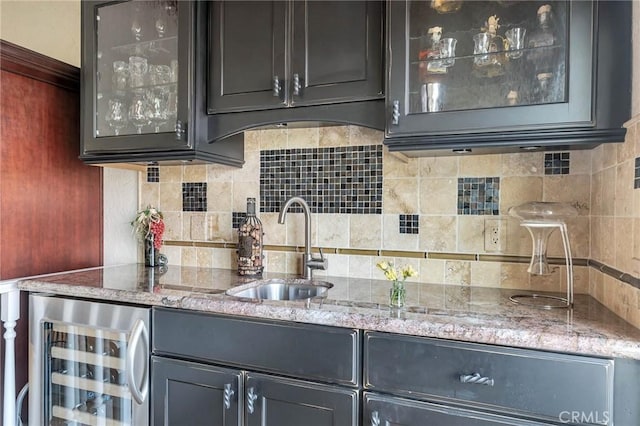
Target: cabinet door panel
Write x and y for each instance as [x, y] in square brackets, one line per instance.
[126, 111]
[469, 102]
[246, 54]
[336, 53]
[184, 390]
[278, 401]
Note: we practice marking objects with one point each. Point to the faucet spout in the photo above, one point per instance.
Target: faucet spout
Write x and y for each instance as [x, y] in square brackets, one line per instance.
[309, 263]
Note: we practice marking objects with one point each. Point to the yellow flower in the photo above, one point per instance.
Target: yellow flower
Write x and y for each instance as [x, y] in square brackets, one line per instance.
[392, 274]
[408, 271]
[383, 265]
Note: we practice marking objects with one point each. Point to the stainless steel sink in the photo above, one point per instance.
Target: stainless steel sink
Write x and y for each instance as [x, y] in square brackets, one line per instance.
[281, 289]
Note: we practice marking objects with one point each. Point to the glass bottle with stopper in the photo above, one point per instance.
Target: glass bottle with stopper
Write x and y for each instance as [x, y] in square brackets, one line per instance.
[250, 244]
[541, 219]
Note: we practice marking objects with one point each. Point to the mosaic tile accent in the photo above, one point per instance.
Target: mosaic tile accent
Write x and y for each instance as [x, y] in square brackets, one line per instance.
[556, 163]
[479, 196]
[331, 180]
[237, 218]
[409, 223]
[194, 197]
[153, 174]
[636, 179]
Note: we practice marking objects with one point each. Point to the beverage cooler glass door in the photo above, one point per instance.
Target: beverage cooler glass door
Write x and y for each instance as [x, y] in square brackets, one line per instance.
[89, 363]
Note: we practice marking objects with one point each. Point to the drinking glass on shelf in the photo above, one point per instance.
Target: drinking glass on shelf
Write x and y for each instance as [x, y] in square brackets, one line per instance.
[136, 29]
[448, 51]
[174, 70]
[116, 116]
[172, 104]
[161, 26]
[515, 39]
[120, 76]
[158, 106]
[481, 43]
[138, 69]
[431, 95]
[160, 74]
[139, 110]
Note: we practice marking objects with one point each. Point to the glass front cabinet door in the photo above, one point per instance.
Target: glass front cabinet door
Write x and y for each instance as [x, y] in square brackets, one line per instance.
[461, 72]
[135, 76]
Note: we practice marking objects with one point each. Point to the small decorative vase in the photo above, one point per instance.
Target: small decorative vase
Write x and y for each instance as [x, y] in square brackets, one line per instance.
[151, 255]
[397, 294]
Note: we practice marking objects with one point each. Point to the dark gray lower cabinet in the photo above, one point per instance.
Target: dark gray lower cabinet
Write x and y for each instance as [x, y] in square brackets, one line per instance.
[321, 365]
[274, 401]
[194, 394]
[389, 410]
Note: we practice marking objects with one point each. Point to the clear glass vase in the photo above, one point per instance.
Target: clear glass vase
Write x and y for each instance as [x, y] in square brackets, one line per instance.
[397, 294]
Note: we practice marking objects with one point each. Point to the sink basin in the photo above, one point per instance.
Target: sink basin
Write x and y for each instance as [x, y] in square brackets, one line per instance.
[281, 289]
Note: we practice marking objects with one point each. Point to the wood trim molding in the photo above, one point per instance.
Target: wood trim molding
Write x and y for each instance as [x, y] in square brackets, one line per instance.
[22, 61]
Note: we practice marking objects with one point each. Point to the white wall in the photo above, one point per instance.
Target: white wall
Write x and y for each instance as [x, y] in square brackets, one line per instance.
[120, 199]
[50, 27]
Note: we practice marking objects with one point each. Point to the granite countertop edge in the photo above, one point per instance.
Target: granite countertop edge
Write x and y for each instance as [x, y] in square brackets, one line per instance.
[373, 318]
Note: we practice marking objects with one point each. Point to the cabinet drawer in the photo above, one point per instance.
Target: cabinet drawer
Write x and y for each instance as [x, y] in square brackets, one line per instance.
[386, 410]
[328, 354]
[523, 382]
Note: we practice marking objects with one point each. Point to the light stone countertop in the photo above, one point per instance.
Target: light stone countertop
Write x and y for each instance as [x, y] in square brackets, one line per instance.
[470, 314]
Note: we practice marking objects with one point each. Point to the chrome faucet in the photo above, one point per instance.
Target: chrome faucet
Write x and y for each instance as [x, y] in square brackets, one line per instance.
[309, 263]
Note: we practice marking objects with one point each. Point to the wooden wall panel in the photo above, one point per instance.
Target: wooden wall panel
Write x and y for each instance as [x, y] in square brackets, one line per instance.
[50, 202]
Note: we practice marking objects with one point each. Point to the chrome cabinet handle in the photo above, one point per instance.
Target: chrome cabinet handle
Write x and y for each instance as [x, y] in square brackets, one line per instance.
[139, 330]
[251, 399]
[296, 84]
[228, 394]
[277, 86]
[395, 114]
[181, 130]
[375, 418]
[476, 378]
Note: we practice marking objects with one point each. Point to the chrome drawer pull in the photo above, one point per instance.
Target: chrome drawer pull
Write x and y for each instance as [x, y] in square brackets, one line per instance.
[251, 399]
[477, 379]
[228, 394]
[395, 113]
[375, 419]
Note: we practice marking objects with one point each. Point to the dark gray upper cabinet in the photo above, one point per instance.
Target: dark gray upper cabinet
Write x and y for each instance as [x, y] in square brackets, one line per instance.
[268, 56]
[246, 55]
[143, 84]
[564, 83]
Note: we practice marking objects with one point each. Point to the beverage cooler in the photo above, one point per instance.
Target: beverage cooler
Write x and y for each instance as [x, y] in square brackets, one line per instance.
[89, 363]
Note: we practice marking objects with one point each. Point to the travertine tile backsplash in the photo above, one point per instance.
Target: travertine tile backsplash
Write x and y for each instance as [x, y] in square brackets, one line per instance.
[599, 184]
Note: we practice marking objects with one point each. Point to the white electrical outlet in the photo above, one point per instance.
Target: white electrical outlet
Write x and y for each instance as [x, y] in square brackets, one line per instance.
[494, 235]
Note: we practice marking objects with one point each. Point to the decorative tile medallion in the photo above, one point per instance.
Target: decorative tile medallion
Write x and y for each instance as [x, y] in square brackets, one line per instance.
[409, 223]
[153, 174]
[331, 180]
[194, 197]
[556, 163]
[480, 196]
